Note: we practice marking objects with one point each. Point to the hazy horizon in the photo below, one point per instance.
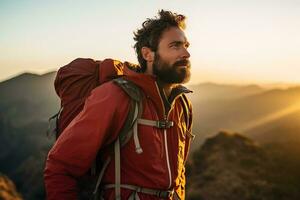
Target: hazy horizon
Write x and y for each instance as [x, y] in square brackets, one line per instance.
[271, 85]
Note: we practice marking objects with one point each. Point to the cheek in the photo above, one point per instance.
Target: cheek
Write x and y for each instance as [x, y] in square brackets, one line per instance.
[169, 54]
[171, 60]
[174, 57]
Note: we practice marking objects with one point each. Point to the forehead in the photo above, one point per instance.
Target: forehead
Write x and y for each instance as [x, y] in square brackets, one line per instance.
[172, 34]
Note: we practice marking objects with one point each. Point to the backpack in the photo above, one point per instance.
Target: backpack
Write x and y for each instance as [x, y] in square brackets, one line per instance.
[73, 84]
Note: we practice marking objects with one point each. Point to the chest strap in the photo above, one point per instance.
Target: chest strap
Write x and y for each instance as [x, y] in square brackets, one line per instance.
[158, 124]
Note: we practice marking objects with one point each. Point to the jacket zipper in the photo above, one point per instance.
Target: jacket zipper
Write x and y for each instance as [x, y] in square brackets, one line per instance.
[165, 134]
[166, 141]
[165, 138]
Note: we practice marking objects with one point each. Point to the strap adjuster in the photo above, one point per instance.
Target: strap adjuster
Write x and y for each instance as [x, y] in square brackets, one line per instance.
[164, 124]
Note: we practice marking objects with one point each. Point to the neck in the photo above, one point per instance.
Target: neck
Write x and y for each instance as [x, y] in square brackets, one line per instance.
[167, 88]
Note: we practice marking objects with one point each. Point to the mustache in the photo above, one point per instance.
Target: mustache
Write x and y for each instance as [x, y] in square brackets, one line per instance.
[182, 63]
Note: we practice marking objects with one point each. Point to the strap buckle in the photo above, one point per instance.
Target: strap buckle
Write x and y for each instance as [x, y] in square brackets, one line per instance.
[164, 124]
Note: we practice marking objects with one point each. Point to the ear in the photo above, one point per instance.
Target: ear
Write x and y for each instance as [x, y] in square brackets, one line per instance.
[147, 54]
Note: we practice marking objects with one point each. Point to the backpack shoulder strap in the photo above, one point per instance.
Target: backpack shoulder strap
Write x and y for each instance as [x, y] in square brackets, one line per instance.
[126, 132]
[135, 110]
[130, 88]
[129, 128]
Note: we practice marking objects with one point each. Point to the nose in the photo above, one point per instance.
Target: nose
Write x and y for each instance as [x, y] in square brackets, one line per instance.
[186, 54]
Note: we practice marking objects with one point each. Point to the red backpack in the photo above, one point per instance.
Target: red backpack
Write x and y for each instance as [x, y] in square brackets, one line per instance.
[75, 81]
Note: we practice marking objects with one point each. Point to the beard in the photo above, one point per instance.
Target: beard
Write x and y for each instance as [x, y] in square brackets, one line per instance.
[171, 73]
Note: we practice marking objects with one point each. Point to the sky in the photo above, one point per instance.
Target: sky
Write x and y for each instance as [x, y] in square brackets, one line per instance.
[232, 41]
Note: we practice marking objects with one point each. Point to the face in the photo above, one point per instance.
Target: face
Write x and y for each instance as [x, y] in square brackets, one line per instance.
[171, 63]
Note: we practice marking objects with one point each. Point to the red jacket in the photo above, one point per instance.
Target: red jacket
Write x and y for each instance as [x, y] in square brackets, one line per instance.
[98, 125]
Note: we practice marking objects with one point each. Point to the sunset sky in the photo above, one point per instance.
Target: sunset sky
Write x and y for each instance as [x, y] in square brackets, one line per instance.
[232, 41]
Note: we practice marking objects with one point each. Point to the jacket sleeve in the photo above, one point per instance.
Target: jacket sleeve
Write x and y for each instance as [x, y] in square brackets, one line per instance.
[190, 135]
[71, 156]
[180, 191]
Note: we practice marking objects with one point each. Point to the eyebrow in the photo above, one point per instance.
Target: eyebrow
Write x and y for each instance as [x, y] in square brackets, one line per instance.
[179, 43]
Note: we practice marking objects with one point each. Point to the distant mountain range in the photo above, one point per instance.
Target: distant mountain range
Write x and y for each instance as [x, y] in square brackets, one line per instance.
[269, 117]
[28, 98]
[212, 91]
[240, 111]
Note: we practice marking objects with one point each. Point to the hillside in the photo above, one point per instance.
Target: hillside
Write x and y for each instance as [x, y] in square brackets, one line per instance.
[283, 129]
[23, 151]
[231, 166]
[231, 163]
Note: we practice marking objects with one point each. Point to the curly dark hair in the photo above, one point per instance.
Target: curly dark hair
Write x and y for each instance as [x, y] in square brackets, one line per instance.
[150, 33]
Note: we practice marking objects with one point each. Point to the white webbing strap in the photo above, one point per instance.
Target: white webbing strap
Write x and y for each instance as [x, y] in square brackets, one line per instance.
[136, 112]
[138, 148]
[147, 122]
[117, 170]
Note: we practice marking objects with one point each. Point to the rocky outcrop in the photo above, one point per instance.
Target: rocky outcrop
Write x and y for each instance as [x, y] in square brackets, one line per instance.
[229, 166]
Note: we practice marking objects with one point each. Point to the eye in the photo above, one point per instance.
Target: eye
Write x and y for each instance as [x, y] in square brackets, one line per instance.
[187, 45]
[176, 45]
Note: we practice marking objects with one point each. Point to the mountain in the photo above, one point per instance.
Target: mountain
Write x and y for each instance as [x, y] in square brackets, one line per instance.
[8, 189]
[28, 98]
[243, 113]
[231, 166]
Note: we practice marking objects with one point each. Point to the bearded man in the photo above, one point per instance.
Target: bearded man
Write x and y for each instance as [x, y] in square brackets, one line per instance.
[152, 164]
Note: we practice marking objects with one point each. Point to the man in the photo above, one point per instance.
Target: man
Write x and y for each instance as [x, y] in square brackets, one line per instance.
[157, 171]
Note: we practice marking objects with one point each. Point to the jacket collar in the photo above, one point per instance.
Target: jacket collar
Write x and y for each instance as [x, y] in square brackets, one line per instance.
[150, 86]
